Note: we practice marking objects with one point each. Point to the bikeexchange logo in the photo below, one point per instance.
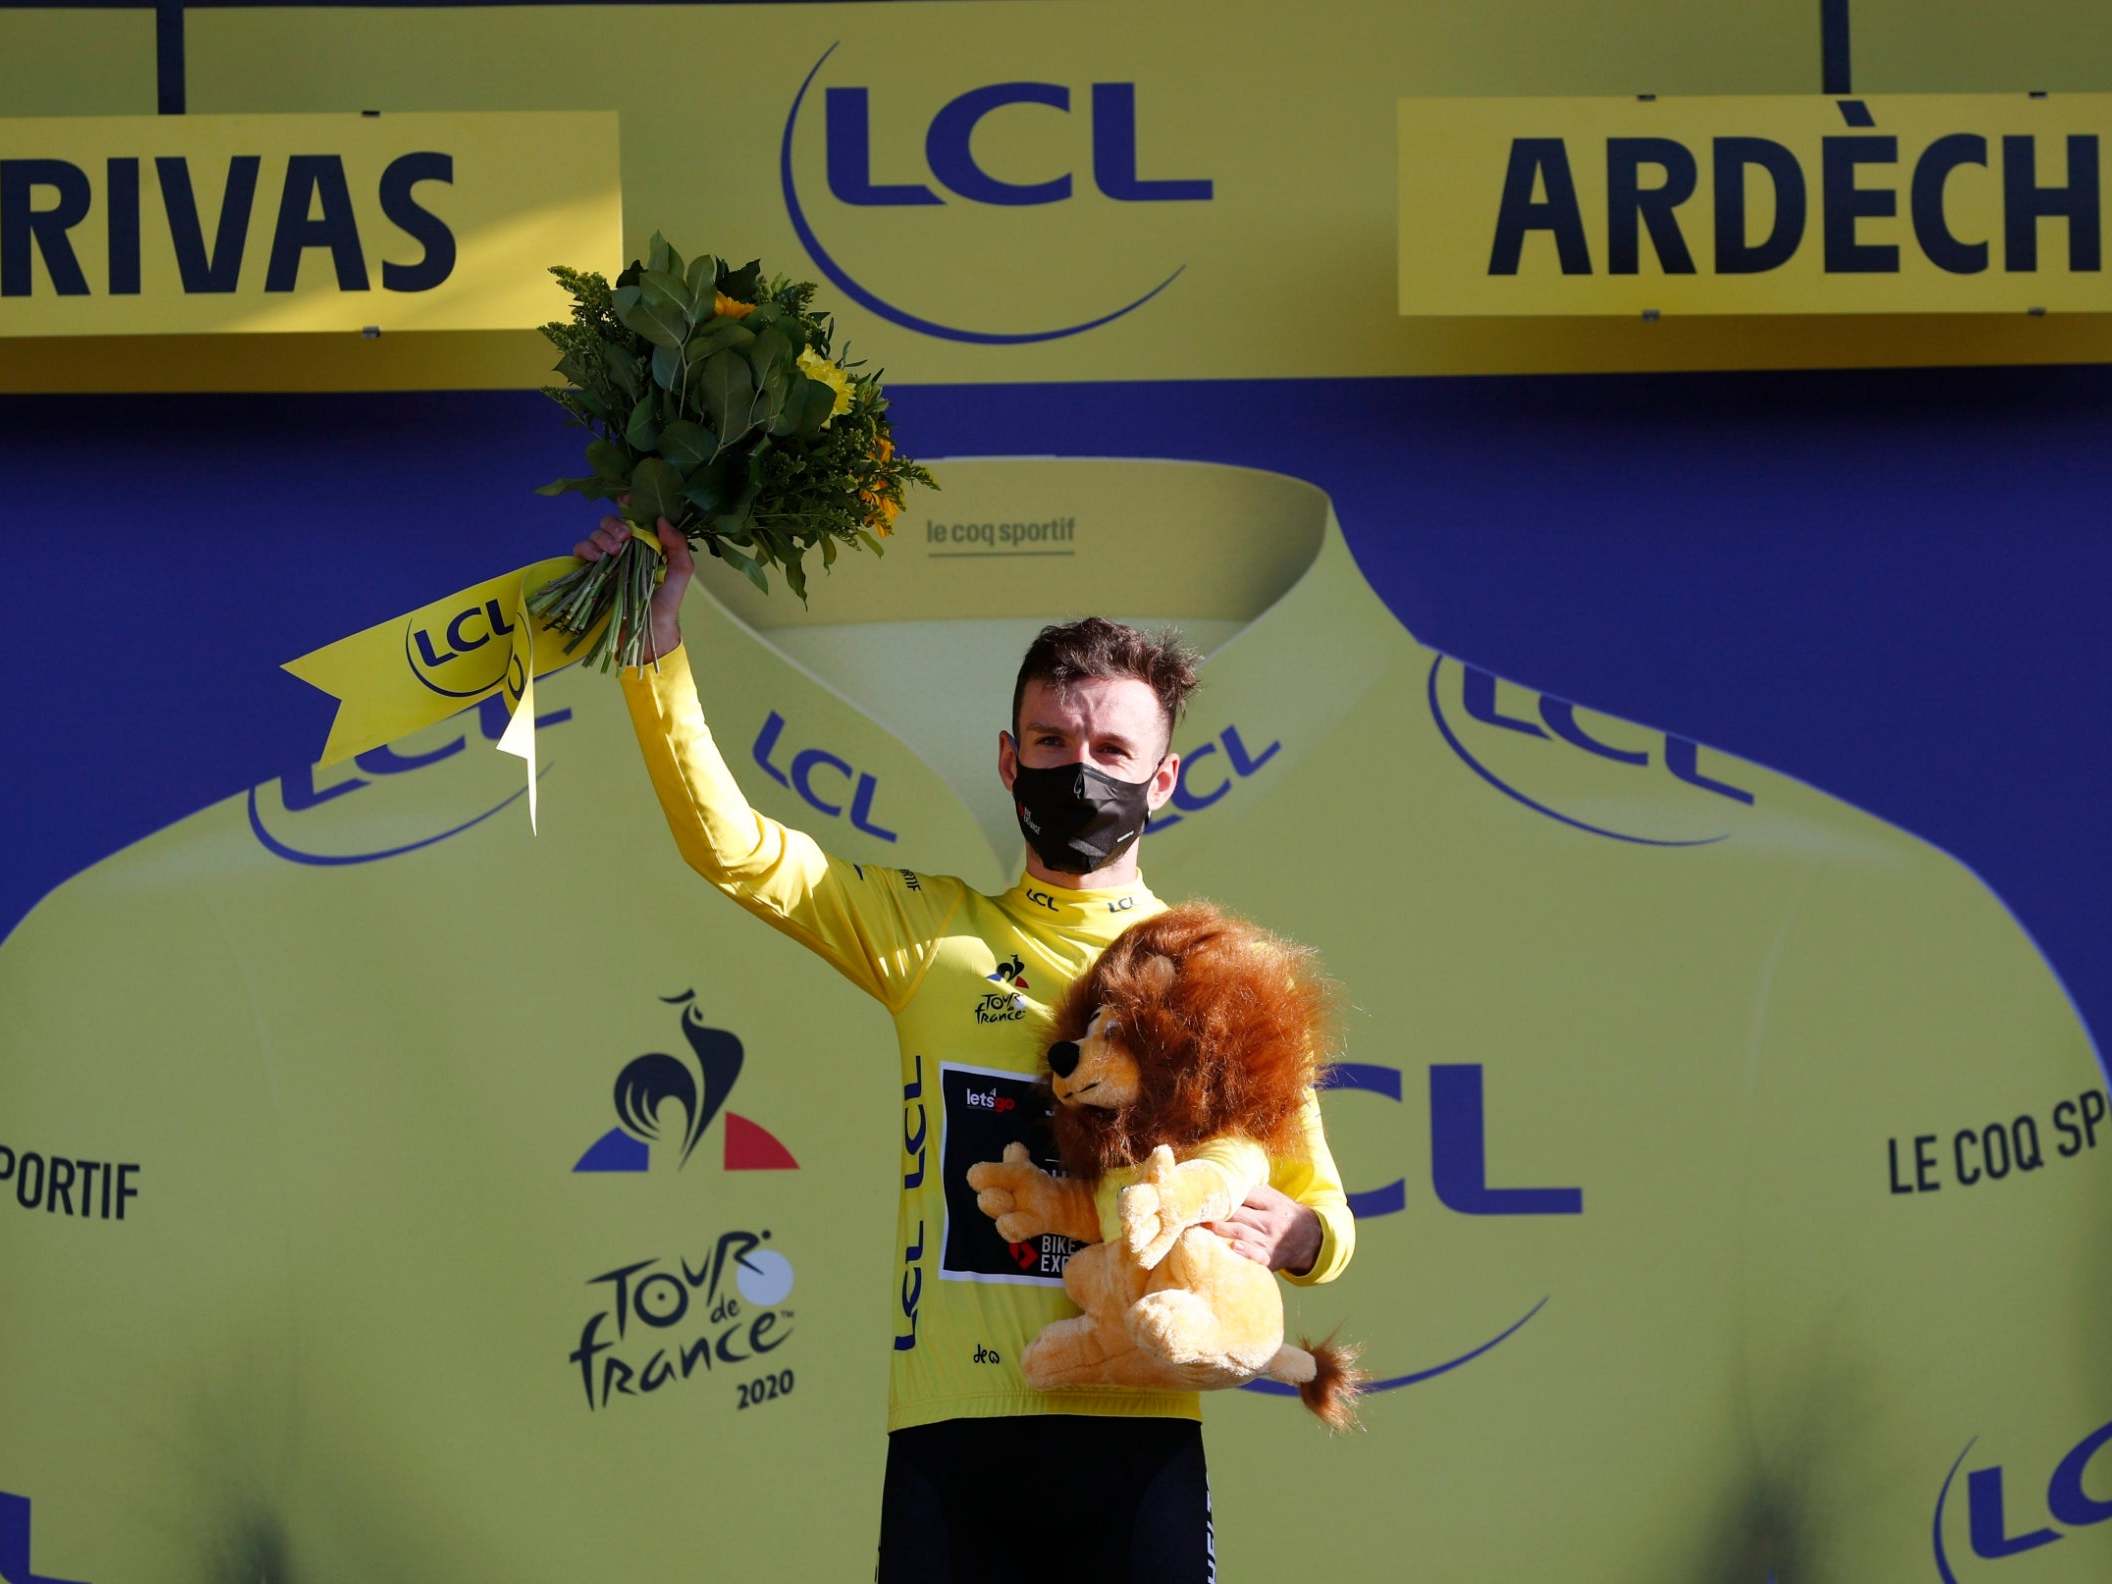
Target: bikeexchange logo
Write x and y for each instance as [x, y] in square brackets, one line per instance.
[964, 234]
[672, 1100]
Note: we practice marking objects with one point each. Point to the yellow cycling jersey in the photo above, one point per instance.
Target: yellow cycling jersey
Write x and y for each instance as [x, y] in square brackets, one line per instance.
[970, 980]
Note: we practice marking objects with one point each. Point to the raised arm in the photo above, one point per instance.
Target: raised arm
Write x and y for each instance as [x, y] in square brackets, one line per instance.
[870, 922]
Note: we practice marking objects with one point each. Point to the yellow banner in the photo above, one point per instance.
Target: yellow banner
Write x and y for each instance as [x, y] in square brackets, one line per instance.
[1903, 203]
[366, 222]
[412, 670]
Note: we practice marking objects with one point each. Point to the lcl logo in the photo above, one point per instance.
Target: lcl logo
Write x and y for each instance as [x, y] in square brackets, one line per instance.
[2070, 1501]
[1458, 1176]
[1459, 1149]
[807, 766]
[463, 633]
[1481, 726]
[949, 155]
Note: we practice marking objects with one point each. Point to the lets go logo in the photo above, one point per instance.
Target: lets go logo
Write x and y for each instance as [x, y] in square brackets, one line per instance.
[1034, 132]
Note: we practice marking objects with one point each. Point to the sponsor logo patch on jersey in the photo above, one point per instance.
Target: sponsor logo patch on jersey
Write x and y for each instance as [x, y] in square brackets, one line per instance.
[985, 1110]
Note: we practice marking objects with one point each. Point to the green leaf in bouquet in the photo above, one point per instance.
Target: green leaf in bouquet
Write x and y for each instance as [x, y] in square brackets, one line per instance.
[701, 279]
[643, 430]
[828, 551]
[723, 335]
[573, 368]
[667, 367]
[727, 392]
[795, 574]
[654, 316]
[656, 491]
[590, 404]
[809, 405]
[710, 487]
[770, 395]
[766, 316]
[741, 284]
[654, 284]
[623, 369]
[770, 350]
[687, 445]
[746, 563]
[871, 543]
[568, 486]
[609, 459]
[658, 255]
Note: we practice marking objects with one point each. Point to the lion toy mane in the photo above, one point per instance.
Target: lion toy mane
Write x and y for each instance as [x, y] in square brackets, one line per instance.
[1178, 1066]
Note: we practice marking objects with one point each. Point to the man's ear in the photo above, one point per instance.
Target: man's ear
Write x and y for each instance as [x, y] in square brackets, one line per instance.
[1007, 759]
[1155, 973]
[1163, 781]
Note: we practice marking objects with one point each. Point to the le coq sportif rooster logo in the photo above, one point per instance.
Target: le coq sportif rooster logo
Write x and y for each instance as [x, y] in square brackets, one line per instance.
[665, 1104]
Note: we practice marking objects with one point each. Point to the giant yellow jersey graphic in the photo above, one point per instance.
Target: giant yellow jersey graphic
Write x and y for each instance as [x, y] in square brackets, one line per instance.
[384, 1193]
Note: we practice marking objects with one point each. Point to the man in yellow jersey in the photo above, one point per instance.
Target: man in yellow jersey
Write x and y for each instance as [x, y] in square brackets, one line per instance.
[970, 979]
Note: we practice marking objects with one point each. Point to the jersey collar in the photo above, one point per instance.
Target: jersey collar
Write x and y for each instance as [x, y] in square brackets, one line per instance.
[1102, 911]
[1138, 540]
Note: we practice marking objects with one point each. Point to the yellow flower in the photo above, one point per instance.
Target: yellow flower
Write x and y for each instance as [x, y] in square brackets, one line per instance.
[726, 308]
[816, 367]
[881, 518]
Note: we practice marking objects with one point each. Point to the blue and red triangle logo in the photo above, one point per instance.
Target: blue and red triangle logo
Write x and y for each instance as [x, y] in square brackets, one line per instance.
[672, 1100]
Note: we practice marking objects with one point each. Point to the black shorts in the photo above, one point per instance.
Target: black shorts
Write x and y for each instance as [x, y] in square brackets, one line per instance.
[1049, 1496]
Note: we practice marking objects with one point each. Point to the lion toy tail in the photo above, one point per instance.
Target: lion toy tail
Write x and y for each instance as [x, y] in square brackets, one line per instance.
[1336, 1385]
[1327, 1379]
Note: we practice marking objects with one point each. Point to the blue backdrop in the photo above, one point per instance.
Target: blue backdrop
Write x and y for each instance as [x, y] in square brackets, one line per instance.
[1888, 584]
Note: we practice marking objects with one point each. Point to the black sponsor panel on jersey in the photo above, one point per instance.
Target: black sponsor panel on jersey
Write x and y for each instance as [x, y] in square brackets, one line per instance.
[985, 1111]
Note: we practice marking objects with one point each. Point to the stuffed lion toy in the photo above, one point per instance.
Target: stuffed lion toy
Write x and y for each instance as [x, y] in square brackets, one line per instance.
[1179, 1064]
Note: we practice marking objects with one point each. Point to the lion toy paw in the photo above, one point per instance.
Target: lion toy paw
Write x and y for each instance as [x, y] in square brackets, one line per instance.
[1151, 1224]
[1014, 1193]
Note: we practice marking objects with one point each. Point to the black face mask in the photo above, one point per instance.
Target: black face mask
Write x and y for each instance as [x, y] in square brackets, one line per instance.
[1076, 819]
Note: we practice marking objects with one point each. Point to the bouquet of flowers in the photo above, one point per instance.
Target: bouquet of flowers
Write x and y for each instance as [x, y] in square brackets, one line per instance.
[716, 403]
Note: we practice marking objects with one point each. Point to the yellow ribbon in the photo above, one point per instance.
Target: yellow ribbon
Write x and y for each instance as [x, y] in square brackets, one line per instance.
[415, 669]
[412, 670]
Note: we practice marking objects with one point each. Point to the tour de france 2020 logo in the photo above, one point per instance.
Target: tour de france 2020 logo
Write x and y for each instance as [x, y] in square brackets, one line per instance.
[981, 212]
[665, 1103]
[661, 1322]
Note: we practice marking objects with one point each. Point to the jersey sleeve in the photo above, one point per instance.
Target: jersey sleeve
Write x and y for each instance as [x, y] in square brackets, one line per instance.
[1929, 1177]
[877, 926]
[1310, 1178]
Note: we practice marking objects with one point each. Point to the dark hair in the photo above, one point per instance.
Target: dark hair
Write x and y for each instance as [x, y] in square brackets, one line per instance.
[1068, 652]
